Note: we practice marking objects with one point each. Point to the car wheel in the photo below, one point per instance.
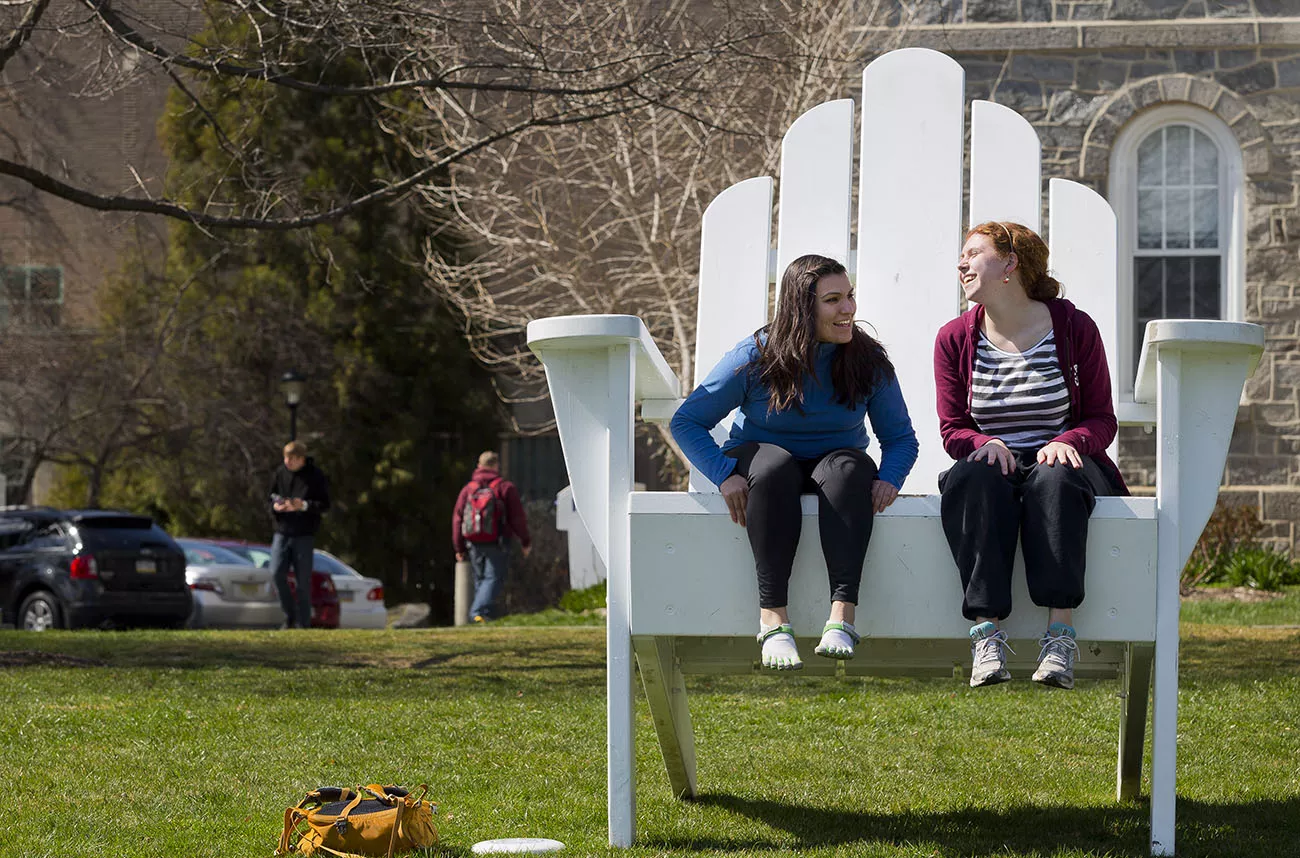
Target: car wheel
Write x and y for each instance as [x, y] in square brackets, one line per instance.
[40, 613]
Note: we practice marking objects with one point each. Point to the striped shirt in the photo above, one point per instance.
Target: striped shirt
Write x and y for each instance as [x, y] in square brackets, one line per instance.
[1020, 398]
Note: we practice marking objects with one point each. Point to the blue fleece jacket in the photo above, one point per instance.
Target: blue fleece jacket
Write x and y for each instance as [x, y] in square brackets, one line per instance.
[821, 426]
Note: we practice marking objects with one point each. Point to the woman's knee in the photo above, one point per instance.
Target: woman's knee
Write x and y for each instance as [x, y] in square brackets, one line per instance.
[848, 467]
[1054, 481]
[771, 467]
[979, 477]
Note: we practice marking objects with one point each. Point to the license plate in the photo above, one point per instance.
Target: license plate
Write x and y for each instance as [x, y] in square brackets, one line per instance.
[249, 591]
[145, 567]
[345, 595]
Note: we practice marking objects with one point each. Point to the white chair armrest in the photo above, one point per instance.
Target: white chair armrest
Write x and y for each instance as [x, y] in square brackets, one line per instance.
[596, 368]
[1199, 336]
[654, 378]
[1194, 371]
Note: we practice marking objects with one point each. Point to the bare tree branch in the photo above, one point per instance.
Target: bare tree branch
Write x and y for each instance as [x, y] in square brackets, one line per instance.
[451, 78]
[118, 203]
[22, 32]
[605, 217]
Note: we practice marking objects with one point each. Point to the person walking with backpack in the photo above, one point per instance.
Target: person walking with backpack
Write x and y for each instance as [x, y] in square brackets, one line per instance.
[487, 514]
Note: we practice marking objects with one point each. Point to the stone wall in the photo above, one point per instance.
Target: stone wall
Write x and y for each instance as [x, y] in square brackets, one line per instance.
[1054, 11]
[1079, 70]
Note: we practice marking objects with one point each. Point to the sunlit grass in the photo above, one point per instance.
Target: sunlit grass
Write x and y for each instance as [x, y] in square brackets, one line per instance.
[1282, 611]
[192, 744]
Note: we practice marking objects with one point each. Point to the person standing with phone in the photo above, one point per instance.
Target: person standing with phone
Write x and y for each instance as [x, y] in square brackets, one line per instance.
[299, 495]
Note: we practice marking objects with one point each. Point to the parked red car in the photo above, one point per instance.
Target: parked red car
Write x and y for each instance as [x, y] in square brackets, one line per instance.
[324, 596]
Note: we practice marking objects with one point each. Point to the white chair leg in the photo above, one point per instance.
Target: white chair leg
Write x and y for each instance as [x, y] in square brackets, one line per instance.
[665, 691]
[1133, 720]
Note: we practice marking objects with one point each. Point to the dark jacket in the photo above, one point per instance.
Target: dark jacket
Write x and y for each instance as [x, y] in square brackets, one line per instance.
[514, 523]
[310, 484]
[1082, 357]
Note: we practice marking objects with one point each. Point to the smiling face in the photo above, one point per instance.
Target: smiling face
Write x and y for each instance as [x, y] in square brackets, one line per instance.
[835, 306]
[981, 270]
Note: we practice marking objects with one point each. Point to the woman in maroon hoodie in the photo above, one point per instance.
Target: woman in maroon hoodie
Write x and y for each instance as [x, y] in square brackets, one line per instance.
[1025, 408]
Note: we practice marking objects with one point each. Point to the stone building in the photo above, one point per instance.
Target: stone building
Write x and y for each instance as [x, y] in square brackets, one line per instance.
[1185, 115]
[89, 122]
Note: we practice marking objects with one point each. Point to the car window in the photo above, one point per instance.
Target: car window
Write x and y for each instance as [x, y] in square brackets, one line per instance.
[13, 532]
[200, 554]
[332, 565]
[49, 535]
[258, 557]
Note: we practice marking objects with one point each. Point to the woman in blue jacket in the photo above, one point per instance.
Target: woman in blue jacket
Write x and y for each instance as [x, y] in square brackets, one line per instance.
[803, 386]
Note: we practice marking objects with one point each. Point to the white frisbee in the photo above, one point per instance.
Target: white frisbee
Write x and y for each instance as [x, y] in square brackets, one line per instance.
[516, 845]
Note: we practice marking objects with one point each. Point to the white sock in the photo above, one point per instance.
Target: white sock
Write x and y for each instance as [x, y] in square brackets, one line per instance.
[838, 639]
[779, 649]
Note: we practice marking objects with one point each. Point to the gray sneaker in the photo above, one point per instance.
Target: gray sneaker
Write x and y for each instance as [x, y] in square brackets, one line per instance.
[1056, 661]
[988, 659]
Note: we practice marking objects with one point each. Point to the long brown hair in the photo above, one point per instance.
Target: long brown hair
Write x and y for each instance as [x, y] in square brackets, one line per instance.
[789, 354]
[1030, 251]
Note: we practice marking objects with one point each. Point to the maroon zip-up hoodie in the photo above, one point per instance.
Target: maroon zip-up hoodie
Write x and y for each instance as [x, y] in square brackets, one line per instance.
[1082, 357]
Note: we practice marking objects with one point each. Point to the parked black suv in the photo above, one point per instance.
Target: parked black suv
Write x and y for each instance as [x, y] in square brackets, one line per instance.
[66, 569]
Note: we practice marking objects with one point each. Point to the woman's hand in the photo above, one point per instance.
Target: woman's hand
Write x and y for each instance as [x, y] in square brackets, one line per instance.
[882, 495]
[1056, 451]
[735, 491]
[996, 453]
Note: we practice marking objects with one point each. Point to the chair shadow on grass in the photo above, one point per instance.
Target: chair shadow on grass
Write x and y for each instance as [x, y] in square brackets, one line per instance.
[1263, 827]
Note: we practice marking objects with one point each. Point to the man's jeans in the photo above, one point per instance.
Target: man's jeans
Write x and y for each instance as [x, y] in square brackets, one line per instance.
[295, 551]
[490, 561]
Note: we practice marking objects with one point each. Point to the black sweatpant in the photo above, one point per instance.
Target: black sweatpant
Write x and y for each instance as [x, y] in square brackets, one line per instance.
[842, 480]
[1045, 506]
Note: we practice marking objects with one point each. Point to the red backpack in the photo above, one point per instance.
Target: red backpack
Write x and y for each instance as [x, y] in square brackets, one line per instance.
[480, 521]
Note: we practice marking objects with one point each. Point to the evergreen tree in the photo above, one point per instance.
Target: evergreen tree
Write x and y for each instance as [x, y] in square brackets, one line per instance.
[396, 409]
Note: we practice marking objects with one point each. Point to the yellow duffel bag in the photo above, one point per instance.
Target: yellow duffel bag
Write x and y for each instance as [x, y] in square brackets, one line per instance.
[366, 821]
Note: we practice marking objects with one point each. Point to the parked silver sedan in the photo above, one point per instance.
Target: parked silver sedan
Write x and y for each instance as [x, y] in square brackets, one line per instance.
[228, 589]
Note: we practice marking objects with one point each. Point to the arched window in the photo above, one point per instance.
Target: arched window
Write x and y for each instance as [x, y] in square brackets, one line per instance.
[1176, 187]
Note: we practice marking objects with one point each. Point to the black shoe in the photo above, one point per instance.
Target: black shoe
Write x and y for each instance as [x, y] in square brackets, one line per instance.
[288, 624]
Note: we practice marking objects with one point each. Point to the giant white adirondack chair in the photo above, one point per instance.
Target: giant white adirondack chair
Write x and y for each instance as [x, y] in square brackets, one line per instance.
[682, 592]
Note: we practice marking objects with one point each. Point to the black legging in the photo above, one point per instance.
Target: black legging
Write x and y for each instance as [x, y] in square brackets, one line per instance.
[842, 480]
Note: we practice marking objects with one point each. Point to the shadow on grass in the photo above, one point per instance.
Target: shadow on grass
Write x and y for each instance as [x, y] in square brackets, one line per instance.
[573, 657]
[1263, 827]
[1239, 655]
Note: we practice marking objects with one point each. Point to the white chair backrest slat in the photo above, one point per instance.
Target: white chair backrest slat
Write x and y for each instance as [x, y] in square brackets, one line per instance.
[816, 186]
[909, 225]
[1083, 242]
[1005, 171]
[735, 236]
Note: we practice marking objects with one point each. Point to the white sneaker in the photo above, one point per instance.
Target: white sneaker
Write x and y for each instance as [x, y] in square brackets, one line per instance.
[1056, 660]
[988, 659]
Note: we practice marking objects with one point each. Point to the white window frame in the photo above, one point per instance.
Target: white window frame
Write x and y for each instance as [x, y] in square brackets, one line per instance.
[27, 271]
[1122, 193]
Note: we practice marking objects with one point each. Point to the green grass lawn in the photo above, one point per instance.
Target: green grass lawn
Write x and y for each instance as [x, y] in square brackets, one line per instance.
[1284, 611]
[193, 743]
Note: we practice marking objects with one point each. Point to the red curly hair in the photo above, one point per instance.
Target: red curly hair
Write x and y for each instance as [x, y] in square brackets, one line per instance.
[1031, 255]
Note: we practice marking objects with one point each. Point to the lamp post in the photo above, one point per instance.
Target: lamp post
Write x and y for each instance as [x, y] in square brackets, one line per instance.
[291, 385]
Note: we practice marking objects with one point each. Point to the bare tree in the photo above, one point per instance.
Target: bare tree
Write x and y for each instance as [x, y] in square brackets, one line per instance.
[84, 397]
[455, 78]
[605, 217]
